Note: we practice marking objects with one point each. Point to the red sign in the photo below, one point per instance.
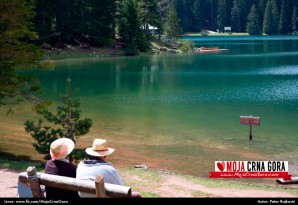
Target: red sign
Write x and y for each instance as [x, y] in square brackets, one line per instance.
[249, 120]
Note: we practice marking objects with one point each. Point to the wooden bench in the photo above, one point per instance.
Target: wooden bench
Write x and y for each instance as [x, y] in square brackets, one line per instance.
[98, 187]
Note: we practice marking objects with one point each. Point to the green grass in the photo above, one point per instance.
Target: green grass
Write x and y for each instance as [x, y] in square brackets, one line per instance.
[146, 176]
[150, 195]
[142, 173]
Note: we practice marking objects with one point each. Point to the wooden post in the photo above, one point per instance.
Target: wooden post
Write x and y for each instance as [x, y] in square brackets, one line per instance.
[250, 120]
[117, 191]
[34, 182]
[100, 187]
[250, 133]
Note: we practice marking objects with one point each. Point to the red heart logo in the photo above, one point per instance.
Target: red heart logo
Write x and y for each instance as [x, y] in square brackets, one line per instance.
[221, 166]
[289, 177]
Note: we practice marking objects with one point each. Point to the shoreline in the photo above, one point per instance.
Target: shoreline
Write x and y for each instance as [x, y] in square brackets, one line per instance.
[73, 51]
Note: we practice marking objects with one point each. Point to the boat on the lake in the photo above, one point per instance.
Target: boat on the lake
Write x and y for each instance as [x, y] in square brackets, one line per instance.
[210, 49]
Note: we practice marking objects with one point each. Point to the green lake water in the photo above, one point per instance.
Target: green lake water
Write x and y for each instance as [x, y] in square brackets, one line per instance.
[183, 111]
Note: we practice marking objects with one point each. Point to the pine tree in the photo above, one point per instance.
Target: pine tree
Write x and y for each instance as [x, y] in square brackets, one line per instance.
[261, 8]
[268, 20]
[18, 51]
[294, 20]
[64, 17]
[236, 16]
[44, 20]
[198, 16]
[283, 21]
[253, 24]
[162, 7]
[275, 17]
[183, 12]
[222, 19]
[67, 123]
[148, 13]
[187, 15]
[172, 27]
[212, 18]
[100, 22]
[133, 37]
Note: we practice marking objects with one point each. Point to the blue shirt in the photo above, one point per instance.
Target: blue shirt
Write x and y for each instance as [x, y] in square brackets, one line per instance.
[89, 169]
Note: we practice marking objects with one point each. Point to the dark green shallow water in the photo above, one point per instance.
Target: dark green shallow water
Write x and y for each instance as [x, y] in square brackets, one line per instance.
[185, 109]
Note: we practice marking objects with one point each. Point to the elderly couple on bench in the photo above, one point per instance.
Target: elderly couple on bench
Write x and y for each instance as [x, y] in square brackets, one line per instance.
[88, 169]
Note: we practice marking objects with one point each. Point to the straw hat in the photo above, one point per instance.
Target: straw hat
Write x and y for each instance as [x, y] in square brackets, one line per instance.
[99, 148]
[61, 147]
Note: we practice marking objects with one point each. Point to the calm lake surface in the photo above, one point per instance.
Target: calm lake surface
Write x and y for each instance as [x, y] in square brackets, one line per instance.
[182, 112]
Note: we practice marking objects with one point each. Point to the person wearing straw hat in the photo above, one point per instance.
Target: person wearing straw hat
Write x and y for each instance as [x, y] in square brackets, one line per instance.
[96, 163]
[60, 165]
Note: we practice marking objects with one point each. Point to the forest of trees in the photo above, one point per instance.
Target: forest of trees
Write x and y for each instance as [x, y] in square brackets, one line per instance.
[99, 21]
[96, 22]
[267, 16]
[73, 21]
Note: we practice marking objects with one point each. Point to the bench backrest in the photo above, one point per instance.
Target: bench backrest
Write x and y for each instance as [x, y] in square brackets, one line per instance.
[98, 187]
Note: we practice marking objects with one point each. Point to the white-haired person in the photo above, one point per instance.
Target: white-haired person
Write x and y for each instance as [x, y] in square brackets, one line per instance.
[96, 163]
[60, 165]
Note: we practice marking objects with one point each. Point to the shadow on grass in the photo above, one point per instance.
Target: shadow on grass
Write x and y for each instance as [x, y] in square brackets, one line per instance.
[9, 156]
[19, 162]
[22, 162]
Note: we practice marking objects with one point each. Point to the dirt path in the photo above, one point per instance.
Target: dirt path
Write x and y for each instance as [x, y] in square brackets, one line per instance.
[174, 186]
[169, 186]
[8, 183]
